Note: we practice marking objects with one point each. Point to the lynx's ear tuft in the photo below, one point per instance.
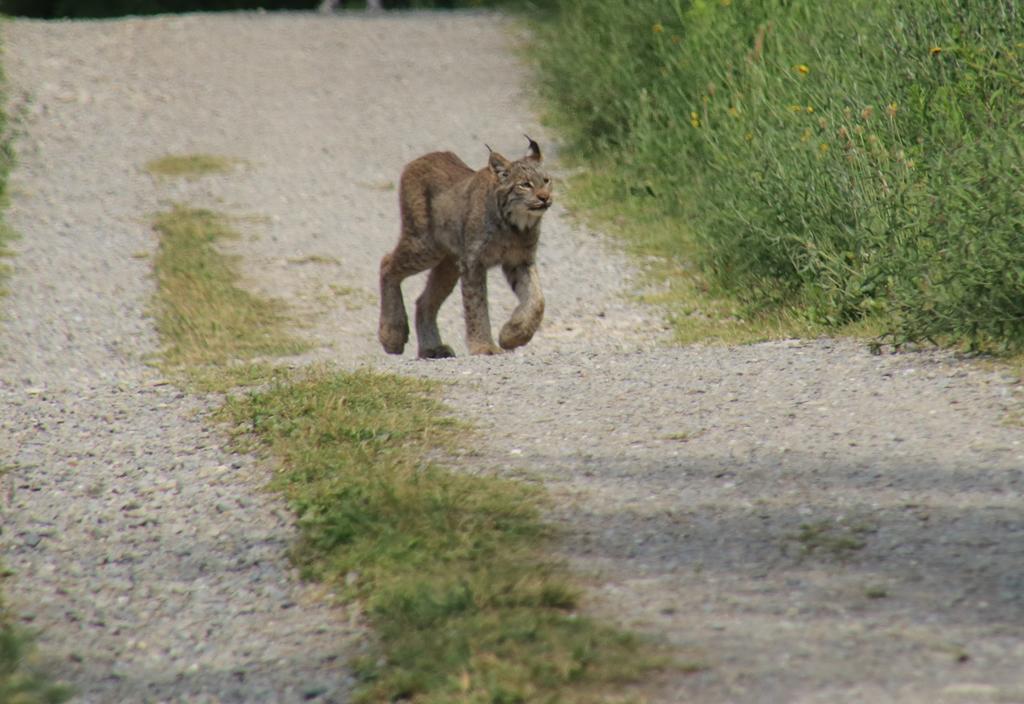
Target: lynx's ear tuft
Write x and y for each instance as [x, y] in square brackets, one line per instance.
[498, 164]
[534, 150]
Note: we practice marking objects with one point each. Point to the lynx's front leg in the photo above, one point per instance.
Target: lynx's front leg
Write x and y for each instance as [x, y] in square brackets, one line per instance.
[474, 304]
[526, 317]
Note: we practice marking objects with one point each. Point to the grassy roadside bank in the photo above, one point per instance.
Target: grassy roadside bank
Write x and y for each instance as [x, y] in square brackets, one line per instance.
[451, 569]
[810, 168]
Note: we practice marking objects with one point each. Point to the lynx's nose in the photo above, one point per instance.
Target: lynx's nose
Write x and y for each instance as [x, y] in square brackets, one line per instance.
[544, 197]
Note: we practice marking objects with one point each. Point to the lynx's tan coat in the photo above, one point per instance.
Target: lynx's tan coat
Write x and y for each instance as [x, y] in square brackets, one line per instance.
[459, 223]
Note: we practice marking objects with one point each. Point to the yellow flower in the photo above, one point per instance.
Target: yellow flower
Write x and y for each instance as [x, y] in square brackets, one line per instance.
[733, 112]
[891, 110]
[823, 148]
[806, 135]
[657, 28]
[796, 108]
[694, 119]
[810, 109]
[936, 50]
[802, 69]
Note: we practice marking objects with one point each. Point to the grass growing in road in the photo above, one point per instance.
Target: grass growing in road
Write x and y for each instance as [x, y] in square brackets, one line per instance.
[203, 317]
[6, 235]
[452, 568]
[190, 165]
[465, 603]
[20, 682]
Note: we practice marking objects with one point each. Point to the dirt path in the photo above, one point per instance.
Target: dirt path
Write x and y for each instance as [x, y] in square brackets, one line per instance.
[813, 523]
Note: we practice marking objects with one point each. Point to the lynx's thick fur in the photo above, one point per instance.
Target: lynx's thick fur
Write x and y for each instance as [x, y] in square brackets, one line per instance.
[459, 223]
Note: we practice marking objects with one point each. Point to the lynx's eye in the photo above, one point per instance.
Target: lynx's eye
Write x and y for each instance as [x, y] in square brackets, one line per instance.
[526, 184]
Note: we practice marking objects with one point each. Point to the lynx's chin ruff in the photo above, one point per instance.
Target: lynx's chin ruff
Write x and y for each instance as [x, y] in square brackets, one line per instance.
[459, 223]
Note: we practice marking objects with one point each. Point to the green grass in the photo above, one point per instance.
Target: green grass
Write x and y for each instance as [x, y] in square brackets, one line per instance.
[811, 168]
[832, 540]
[452, 569]
[6, 235]
[697, 309]
[190, 166]
[21, 682]
[204, 318]
[465, 603]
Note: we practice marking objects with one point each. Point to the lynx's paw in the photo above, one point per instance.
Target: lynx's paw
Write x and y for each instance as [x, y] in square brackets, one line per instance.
[393, 337]
[439, 352]
[513, 335]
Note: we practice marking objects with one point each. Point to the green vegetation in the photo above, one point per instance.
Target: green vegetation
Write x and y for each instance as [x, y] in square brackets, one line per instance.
[190, 165]
[451, 567]
[203, 317]
[20, 682]
[819, 168]
[6, 163]
[831, 539]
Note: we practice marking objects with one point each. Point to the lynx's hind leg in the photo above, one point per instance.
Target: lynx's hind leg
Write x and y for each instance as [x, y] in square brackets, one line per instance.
[439, 286]
[406, 259]
[528, 314]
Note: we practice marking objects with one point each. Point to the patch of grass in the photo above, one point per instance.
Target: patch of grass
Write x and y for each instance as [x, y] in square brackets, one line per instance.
[697, 308]
[832, 168]
[684, 435]
[876, 591]
[6, 235]
[20, 680]
[6, 164]
[453, 570]
[315, 259]
[203, 317]
[190, 166]
[466, 605]
[830, 539]
[355, 298]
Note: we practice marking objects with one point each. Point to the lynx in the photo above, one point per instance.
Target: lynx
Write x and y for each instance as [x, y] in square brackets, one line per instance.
[459, 223]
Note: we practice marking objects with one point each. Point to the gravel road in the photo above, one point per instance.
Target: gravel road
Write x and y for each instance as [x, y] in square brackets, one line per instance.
[811, 522]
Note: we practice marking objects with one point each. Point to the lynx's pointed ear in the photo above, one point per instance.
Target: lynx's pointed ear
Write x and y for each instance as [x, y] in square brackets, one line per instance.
[534, 154]
[499, 165]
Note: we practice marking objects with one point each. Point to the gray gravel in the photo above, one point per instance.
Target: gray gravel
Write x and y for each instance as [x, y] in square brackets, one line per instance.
[681, 477]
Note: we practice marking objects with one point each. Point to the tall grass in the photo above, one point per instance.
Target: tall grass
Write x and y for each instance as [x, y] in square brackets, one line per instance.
[862, 163]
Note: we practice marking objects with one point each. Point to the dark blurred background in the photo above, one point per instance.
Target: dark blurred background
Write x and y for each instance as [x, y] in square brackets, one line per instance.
[116, 8]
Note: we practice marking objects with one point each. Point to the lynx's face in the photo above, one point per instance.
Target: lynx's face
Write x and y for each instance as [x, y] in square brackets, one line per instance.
[524, 188]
